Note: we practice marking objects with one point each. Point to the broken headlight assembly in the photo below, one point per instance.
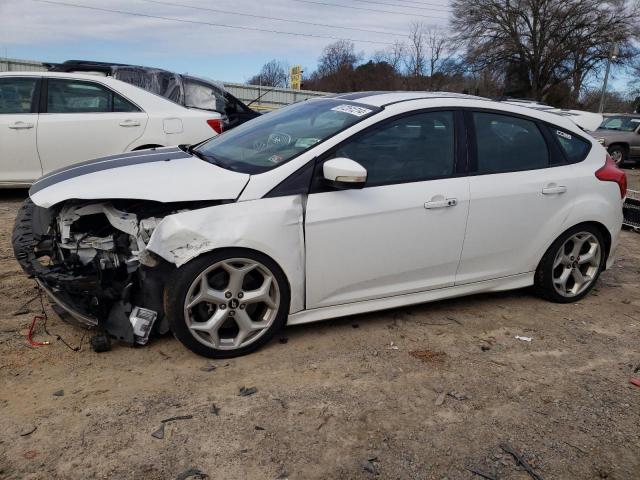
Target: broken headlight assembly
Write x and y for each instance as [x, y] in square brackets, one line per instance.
[91, 259]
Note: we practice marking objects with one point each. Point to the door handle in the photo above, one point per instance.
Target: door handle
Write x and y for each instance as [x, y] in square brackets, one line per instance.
[21, 125]
[552, 189]
[130, 123]
[447, 202]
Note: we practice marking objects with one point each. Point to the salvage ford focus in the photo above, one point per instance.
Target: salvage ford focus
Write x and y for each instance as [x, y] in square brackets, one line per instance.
[330, 207]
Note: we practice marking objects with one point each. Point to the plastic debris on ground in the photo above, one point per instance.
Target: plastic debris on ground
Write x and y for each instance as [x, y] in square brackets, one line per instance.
[524, 339]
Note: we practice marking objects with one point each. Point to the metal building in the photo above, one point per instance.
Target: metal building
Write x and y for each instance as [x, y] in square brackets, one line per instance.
[14, 65]
[270, 97]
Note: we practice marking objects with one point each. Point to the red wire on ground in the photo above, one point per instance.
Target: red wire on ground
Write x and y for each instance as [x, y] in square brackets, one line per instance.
[30, 334]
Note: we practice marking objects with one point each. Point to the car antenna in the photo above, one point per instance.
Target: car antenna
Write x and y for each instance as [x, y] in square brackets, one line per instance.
[260, 96]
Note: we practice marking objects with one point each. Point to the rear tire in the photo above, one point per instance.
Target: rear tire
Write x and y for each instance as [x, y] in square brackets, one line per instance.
[619, 154]
[571, 266]
[227, 303]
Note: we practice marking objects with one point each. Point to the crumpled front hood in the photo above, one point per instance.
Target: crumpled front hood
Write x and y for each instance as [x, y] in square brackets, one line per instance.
[161, 175]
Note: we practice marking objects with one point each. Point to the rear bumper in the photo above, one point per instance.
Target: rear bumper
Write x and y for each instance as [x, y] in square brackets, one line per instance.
[613, 251]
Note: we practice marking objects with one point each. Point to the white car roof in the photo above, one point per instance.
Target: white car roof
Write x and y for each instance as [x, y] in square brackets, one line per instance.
[149, 102]
[584, 120]
[380, 99]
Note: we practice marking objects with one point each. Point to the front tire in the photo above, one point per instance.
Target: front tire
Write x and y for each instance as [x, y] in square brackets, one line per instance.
[571, 266]
[227, 303]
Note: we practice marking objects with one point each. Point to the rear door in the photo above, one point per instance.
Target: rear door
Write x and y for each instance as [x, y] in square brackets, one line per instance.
[82, 119]
[18, 126]
[521, 192]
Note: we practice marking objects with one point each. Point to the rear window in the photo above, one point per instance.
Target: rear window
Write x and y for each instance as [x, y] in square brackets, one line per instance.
[574, 147]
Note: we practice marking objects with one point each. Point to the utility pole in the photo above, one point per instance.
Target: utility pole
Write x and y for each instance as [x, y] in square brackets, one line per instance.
[613, 54]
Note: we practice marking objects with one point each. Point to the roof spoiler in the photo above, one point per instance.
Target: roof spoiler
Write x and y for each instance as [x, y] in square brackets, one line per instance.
[588, 121]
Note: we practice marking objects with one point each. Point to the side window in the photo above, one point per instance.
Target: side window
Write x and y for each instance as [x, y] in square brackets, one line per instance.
[121, 104]
[574, 147]
[75, 96]
[16, 94]
[508, 144]
[410, 149]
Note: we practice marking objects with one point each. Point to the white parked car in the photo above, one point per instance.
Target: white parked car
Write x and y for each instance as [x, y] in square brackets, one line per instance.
[53, 120]
[331, 207]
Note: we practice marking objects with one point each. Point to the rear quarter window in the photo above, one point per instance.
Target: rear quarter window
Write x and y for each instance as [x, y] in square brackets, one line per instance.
[574, 147]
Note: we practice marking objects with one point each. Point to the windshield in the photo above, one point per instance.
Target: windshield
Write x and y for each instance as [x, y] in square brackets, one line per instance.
[276, 137]
[624, 124]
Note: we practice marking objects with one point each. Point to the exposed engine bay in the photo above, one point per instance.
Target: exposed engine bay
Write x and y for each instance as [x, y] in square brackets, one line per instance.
[91, 258]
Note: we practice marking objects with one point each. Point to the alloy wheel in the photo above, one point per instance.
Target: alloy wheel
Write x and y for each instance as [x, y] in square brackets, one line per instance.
[617, 156]
[231, 303]
[576, 264]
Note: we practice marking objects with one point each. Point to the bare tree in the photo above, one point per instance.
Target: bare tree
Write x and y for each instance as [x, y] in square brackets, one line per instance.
[338, 56]
[437, 45]
[541, 44]
[394, 55]
[273, 74]
[615, 101]
[415, 59]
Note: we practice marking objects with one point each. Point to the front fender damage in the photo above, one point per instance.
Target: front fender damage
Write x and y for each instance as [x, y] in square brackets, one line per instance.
[91, 259]
[273, 226]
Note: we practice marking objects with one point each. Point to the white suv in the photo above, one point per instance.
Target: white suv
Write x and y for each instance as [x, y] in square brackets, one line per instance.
[54, 120]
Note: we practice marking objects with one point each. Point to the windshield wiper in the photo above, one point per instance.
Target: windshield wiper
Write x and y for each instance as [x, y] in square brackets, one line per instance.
[209, 158]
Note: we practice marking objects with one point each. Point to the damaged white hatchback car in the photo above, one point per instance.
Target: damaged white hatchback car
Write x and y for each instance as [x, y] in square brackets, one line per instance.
[331, 207]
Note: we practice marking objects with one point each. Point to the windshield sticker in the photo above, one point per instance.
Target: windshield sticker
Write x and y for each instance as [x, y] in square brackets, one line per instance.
[352, 110]
[306, 142]
[635, 120]
[563, 135]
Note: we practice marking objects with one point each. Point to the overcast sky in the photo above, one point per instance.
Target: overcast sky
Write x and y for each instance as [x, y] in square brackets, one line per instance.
[42, 31]
[54, 32]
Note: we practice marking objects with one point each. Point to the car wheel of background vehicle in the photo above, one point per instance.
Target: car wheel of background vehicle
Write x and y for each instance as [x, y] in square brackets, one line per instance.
[618, 153]
[571, 266]
[227, 303]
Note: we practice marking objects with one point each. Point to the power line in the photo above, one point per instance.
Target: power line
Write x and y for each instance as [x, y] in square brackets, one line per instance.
[431, 4]
[200, 22]
[172, 4]
[368, 9]
[404, 6]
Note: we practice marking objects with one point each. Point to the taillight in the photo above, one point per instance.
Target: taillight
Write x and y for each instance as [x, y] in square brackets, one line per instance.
[216, 124]
[611, 173]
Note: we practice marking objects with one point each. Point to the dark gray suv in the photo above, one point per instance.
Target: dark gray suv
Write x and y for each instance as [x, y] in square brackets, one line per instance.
[620, 134]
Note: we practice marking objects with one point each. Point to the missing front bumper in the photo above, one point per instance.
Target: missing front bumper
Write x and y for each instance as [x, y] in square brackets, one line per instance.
[82, 319]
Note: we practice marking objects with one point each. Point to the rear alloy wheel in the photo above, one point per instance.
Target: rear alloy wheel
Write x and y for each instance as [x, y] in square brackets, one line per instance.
[571, 266]
[226, 306]
[618, 154]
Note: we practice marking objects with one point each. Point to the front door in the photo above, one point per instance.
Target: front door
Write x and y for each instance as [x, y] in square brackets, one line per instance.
[18, 126]
[402, 232]
[85, 120]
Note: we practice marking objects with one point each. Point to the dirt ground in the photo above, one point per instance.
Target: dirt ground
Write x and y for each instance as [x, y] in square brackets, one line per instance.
[413, 393]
